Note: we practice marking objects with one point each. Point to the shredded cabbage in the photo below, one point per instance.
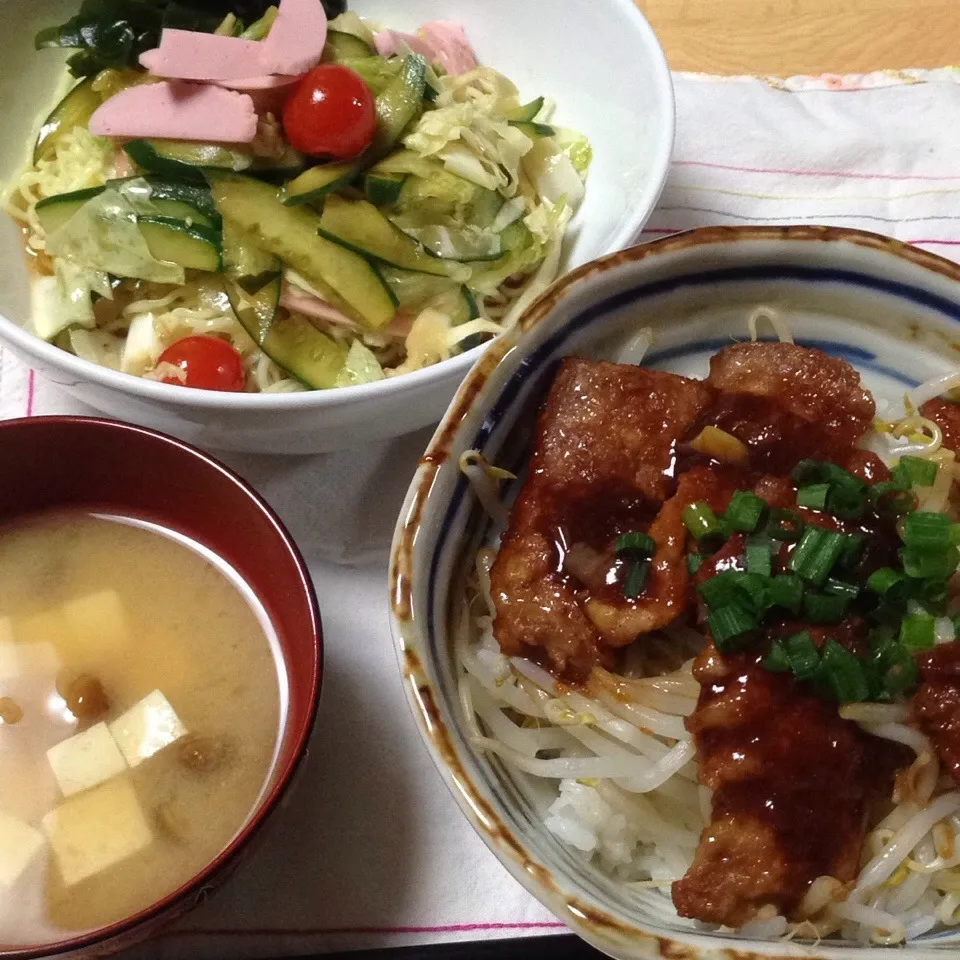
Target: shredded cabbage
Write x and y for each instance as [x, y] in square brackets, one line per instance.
[360, 366]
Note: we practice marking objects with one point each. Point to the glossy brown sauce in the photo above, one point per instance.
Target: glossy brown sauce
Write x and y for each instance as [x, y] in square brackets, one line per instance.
[936, 705]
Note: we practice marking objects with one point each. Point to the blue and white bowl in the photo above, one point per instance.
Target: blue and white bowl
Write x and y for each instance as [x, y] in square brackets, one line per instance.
[891, 310]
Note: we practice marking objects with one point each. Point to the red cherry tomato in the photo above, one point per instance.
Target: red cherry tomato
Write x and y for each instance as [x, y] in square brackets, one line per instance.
[330, 113]
[209, 363]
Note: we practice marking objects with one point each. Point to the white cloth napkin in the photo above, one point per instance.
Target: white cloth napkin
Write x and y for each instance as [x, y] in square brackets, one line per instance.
[370, 849]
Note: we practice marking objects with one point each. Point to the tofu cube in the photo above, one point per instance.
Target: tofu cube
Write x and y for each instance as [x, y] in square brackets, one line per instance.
[97, 622]
[46, 627]
[86, 759]
[95, 830]
[147, 728]
[19, 843]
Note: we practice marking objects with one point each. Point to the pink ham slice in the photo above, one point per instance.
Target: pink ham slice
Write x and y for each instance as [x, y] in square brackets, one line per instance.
[172, 110]
[390, 42]
[187, 55]
[296, 39]
[449, 45]
[301, 301]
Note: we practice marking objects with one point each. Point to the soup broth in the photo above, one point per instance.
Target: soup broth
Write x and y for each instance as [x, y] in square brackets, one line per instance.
[140, 707]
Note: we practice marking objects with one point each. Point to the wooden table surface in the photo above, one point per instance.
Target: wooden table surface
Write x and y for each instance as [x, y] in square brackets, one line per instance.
[785, 37]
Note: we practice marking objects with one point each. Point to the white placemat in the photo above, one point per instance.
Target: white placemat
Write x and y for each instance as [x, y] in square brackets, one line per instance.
[370, 849]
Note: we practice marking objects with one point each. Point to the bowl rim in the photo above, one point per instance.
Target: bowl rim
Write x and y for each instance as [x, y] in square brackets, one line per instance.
[193, 398]
[596, 926]
[131, 930]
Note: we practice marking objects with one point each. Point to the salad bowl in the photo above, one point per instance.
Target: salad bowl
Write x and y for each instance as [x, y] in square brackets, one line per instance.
[566, 49]
[888, 309]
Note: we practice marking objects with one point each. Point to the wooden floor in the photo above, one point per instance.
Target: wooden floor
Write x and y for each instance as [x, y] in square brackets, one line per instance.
[784, 37]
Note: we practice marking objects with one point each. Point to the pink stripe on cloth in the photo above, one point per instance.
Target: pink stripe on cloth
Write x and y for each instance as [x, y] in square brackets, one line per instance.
[31, 389]
[848, 174]
[475, 927]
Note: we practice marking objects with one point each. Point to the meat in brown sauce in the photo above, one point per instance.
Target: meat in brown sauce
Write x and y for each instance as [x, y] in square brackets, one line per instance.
[602, 464]
[792, 784]
[936, 705]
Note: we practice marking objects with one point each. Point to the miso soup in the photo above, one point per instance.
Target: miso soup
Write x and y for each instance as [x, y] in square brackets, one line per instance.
[141, 698]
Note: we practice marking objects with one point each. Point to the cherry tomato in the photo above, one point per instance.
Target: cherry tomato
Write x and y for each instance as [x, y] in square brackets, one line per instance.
[330, 113]
[209, 363]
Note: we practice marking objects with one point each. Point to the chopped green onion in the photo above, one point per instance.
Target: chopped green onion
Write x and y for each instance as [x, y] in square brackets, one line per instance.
[736, 588]
[823, 608]
[635, 546]
[700, 520]
[852, 549]
[841, 674]
[816, 553]
[917, 632]
[720, 590]
[880, 581]
[636, 578]
[813, 496]
[927, 531]
[932, 595]
[955, 534]
[784, 525]
[930, 564]
[915, 471]
[786, 590]
[803, 655]
[777, 661]
[759, 558]
[694, 561]
[728, 624]
[840, 588]
[744, 511]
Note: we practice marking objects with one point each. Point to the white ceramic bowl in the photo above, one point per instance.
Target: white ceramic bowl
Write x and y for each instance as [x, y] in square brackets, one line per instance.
[598, 58]
[891, 310]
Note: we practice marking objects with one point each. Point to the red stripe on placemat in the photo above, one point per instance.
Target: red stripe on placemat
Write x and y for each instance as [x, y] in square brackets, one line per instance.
[331, 931]
[844, 174]
[31, 386]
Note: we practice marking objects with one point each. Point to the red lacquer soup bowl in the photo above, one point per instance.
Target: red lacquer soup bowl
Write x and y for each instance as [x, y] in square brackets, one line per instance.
[105, 467]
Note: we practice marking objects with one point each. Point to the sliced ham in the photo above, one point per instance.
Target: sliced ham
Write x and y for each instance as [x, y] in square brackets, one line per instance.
[273, 81]
[449, 45]
[188, 55]
[300, 301]
[296, 39]
[173, 110]
[390, 42]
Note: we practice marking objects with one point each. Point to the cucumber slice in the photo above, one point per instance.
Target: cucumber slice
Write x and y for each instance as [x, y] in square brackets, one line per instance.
[526, 112]
[291, 233]
[360, 226]
[384, 189]
[315, 183]
[55, 211]
[74, 110]
[375, 72]
[194, 248]
[399, 103]
[189, 203]
[451, 243]
[290, 341]
[243, 260]
[407, 162]
[255, 302]
[414, 291]
[187, 161]
[303, 351]
[344, 46]
[533, 130]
